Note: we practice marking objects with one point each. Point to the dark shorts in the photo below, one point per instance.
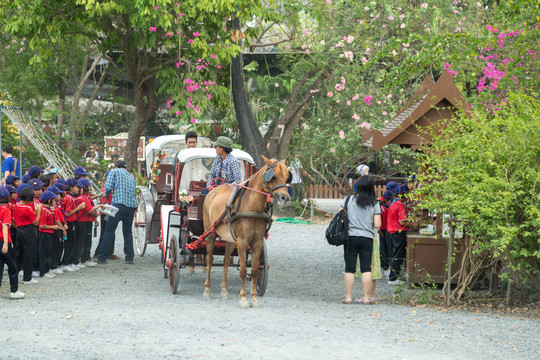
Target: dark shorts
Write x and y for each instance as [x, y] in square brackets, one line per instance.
[358, 245]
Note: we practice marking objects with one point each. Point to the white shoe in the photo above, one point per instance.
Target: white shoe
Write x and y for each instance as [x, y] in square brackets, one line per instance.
[21, 273]
[74, 267]
[5, 267]
[68, 268]
[17, 295]
[90, 263]
[32, 281]
[57, 271]
[396, 282]
[49, 275]
[80, 266]
[35, 273]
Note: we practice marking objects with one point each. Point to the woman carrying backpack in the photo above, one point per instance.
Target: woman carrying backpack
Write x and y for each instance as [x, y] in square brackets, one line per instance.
[364, 215]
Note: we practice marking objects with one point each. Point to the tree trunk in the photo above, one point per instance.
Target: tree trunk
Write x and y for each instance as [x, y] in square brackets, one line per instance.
[250, 135]
[61, 111]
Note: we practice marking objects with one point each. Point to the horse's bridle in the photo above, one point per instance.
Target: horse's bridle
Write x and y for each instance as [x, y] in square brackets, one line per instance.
[268, 175]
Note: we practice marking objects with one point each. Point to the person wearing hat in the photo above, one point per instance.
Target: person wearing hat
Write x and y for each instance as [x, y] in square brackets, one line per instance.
[87, 216]
[226, 168]
[122, 185]
[37, 186]
[11, 165]
[397, 227]
[46, 229]
[60, 233]
[71, 209]
[34, 172]
[7, 253]
[26, 218]
[385, 202]
[13, 180]
[13, 197]
[80, 172]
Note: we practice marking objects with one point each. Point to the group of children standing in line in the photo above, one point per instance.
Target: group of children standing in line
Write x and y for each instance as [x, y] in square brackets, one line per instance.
[46, 226]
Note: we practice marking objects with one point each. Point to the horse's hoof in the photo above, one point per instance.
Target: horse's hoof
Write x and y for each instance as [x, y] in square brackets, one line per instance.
[207, 295]
[224, 294]
[244, 304]
[254, 303]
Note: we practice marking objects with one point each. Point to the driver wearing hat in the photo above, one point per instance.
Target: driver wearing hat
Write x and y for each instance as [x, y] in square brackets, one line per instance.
[226, 168]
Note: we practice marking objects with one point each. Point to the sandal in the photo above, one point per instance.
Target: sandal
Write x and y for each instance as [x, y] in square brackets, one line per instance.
[347, 302]
[359, 300]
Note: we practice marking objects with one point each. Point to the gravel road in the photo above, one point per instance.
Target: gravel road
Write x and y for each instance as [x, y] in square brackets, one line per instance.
[126, 312]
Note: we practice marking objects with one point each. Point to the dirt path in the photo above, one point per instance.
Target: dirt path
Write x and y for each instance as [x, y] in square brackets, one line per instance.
[126, 311]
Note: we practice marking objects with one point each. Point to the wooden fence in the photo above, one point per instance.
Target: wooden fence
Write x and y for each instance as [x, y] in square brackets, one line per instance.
[323, 191]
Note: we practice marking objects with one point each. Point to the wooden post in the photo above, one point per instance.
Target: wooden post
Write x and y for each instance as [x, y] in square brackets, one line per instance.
[451, 230]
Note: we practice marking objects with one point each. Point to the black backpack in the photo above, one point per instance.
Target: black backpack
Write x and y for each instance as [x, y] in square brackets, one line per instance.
[337, 232]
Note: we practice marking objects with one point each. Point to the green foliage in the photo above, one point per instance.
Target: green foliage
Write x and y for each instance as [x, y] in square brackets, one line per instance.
[486, 171]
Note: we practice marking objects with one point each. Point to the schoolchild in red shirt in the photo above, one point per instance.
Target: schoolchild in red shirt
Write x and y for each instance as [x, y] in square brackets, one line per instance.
[13, 180]
[397, 231]
[26, 219]
[47, 226]
[71, 209]
[60, 233]
[86, 218]
[37, 186]
[386, 200]
[7, 254]
[13, 198]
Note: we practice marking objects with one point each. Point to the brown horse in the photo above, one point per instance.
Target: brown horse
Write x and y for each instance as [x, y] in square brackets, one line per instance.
[249, 232]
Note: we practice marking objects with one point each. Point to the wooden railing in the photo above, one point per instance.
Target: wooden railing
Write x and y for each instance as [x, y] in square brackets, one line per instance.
[323, 191]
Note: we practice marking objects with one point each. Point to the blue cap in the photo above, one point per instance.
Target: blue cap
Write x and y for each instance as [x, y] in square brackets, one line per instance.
[403, 189]
[391, 185]
[60, 183]
[395, 190]
[11, 189]
[47, 195]
[35, 184]
[387, 194]
[4, 192]
[22, 186]
[10, 179]
[34, 171]
[54, 189]
[79, 170]
[72, 182]
[25, 178]
[85, 182]
[411, 178]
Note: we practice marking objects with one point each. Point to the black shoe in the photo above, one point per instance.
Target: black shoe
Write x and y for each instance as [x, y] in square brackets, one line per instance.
[130, 262]
[102, 261]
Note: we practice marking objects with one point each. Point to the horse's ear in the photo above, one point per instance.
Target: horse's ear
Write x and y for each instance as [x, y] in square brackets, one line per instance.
[267, 161]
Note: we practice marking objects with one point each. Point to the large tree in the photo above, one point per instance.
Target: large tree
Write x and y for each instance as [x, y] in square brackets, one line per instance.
[170, 51]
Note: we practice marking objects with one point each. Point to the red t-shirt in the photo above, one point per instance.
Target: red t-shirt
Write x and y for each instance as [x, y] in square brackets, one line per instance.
[59, 214]
[5, 219]
[396, 213]
[384, 217]
[23, 214]
[69, 204]
[84, 215]
[46, 218]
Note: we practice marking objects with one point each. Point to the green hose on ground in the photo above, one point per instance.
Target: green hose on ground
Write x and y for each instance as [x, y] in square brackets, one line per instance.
[290, 220]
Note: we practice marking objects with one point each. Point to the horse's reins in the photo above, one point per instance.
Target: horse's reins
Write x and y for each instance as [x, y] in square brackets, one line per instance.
[268, 175]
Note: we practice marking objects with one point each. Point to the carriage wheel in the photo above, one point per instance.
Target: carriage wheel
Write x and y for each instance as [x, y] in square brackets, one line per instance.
[174, 264]
[163, 256]
[262, 280]
[140, 226]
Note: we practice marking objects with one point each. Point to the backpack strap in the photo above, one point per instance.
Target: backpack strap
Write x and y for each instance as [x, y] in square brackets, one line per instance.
[347, 201]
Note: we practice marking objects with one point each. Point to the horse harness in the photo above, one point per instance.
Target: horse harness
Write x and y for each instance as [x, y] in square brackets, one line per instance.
[238, 194]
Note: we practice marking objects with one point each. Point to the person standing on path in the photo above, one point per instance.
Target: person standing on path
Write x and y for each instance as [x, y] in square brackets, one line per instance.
[364, 215]
[11, 165]
[122, 184]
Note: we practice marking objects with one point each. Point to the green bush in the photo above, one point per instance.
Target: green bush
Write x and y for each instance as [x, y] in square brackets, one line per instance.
[485, 169]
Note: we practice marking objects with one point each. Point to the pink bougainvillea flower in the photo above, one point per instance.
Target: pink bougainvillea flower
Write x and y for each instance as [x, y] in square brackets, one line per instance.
[178, 112]
[396, 161]
[190, 41]
[329, 2]
[305, 31]
[329, 94]
[342, 134]
[276, 85]
[368, 99]
[213, 56]
[356, 117]
[424, 6]
[365, 125]
[332, 150]
[384, 113]
[208, 96]
[196, 34]
[391, 18]
[348, 103]
[180, 14]
[156, 7]
[152, 28]
[193, 121]
[169, 34]
[178, 64]
[379, 102]
[219, 66]
[308, 51]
